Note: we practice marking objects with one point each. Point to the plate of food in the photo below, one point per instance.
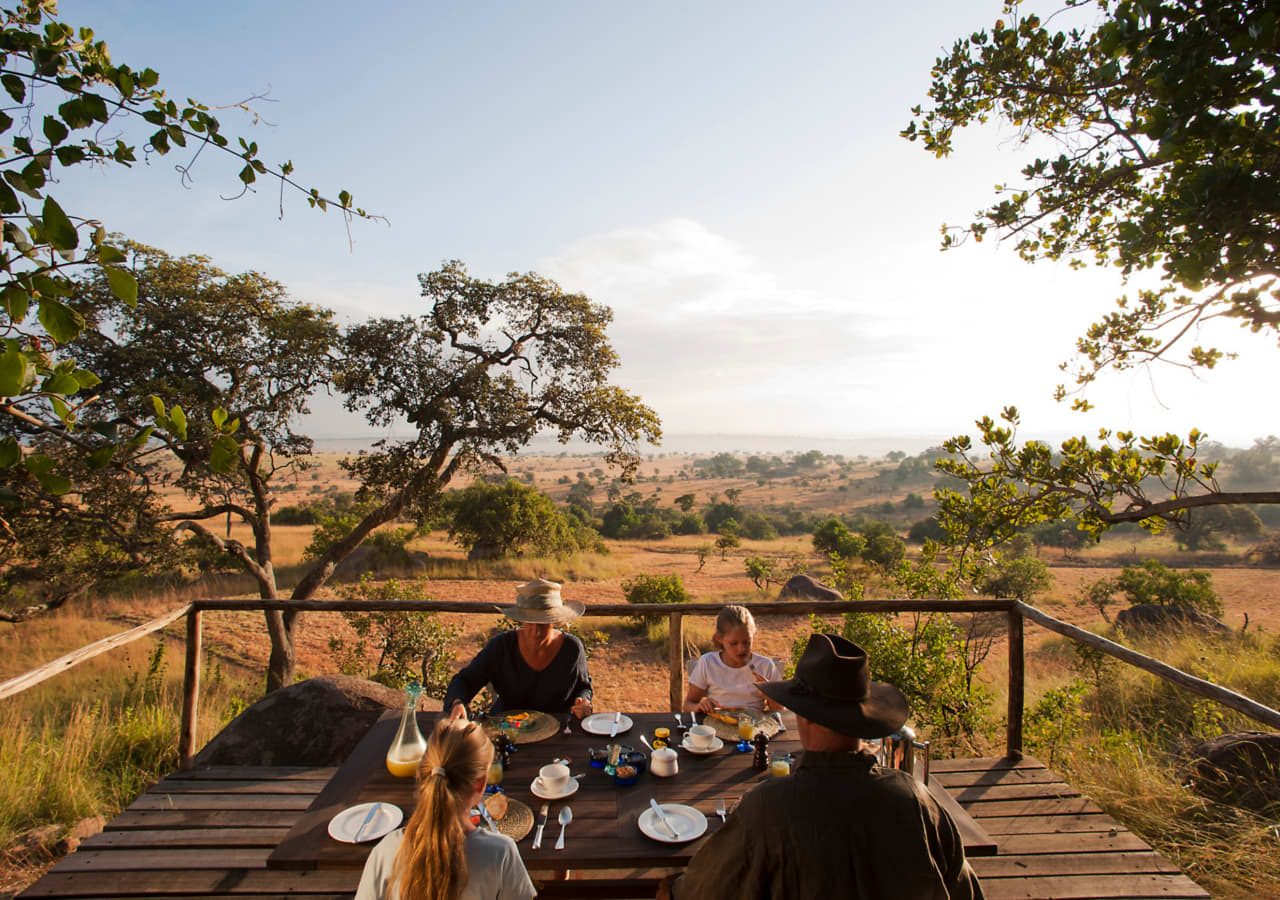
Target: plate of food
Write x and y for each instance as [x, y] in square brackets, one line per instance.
[725, 722]
[522, 726]
[507, 815]
[687, 824]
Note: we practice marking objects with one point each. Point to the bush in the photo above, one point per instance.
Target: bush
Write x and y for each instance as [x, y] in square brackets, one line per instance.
[1015, 578]
[757, 528]
[1154, 582]
[690, 523]
[926, 662]
[833, 536]
[1055, 721]
[511, 518]
[651, 590]
[396, 648]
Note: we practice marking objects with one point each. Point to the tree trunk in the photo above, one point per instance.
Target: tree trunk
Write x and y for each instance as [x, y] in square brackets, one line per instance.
[280, 665]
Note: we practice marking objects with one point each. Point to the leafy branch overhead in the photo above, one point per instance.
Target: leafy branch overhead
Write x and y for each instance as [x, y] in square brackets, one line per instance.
[65, 93]
[1166, 145]
[1152, 481]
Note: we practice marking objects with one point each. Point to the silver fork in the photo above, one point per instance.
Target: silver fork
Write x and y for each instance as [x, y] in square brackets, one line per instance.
[720, 809]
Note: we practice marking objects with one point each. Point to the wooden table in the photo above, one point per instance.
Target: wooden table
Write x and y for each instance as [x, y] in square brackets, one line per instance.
[604, 833]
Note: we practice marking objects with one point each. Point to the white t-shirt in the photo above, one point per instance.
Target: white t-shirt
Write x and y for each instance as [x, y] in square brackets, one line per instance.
[494, 869]
[730, 687]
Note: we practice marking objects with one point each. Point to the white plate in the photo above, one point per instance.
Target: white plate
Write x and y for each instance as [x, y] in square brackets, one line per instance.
[687, 821]
[602, 723]
[346, 824]
[538, 792]
[716, 744]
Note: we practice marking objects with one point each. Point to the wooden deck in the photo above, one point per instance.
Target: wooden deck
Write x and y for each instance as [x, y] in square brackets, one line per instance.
[208, 833]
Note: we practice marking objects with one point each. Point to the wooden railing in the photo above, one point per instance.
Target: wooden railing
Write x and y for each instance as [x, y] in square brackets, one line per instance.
[1017, 613]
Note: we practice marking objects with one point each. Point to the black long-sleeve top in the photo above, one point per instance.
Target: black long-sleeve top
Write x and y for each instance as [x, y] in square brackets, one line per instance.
[519, 686]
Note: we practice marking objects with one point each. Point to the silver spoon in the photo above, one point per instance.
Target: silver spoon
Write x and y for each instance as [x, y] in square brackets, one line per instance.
[680, 721]
[566, 816]
[645, 741]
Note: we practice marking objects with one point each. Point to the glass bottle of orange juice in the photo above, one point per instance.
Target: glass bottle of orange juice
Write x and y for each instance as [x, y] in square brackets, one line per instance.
[409, 745]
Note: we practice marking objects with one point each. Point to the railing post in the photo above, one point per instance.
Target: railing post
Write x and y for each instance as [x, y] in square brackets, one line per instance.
[1017, 675]
[675, 658]
[190, 690]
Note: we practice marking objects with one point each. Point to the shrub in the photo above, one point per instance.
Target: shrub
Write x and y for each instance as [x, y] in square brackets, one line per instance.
[512, 518]
[761, 570]
[1154, 582]
[758, 528]
[655, 590]
[833, 536]
[1015, 578]
[396, 648]
[1057, 718]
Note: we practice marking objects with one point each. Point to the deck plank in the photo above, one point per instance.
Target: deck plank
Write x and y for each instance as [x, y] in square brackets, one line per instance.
[208, 833]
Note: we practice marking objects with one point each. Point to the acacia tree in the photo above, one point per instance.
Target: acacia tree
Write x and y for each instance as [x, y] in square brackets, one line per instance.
[71, 105]
[1167, 136]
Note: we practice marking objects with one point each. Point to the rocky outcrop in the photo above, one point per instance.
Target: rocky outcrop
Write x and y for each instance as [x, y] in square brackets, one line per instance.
[1147, 618]
[313, 723]
[1241, 768]
[806, 587]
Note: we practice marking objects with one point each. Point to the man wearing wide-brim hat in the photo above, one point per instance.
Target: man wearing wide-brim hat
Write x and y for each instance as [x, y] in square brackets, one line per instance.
[536, 666]
[840, 825]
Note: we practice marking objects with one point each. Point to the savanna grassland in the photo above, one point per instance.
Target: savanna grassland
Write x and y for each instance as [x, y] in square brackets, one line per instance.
[84, 743]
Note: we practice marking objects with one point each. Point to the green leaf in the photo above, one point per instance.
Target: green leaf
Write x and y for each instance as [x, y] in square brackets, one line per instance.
[17, 301]
[86, 379]
[38, 464]
[123, 285]
[158, 405]
[100, 458]
[219, 416]
[61, 383]
[179, 420]
[247, 175]
[16, 373]
[62, 411]
[62, 322]
[10, 453]
[55, 484]
[108, 254]
[224, 455]
[16, 87]
[54, 130]
[58, 230]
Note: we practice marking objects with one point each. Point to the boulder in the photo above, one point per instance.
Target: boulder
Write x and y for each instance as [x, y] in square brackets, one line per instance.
[1241, 768]
[85, 828]
[316, 722]
[1147, 618]
[806, 587]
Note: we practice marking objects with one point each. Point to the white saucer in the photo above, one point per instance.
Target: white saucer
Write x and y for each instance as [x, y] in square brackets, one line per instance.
[569, 791]
[346, 824]
[687, 821]
[716, 744]
[602, 723]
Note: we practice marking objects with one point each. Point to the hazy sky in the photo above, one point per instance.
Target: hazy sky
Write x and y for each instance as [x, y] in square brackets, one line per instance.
[728, 177]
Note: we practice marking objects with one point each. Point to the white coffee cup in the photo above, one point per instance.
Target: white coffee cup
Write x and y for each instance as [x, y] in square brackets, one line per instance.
[663, 762]
[701, 737]
[553, 778]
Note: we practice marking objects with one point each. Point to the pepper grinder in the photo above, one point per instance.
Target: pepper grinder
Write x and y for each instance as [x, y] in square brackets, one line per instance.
[760, 760]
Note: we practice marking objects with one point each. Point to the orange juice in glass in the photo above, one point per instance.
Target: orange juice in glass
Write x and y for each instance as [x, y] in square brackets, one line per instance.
[746, 727]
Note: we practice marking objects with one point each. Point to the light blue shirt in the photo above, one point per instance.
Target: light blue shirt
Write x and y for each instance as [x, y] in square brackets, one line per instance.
[494, 869]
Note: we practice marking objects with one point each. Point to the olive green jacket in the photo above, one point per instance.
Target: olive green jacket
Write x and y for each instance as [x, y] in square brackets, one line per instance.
[840, 826]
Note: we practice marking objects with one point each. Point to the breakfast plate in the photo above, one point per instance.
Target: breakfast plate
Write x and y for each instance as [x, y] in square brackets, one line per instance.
[602, 723]
[688, 823]
[365, 822]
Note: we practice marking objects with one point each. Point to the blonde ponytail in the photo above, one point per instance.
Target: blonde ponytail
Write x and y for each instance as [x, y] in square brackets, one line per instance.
[431, 863]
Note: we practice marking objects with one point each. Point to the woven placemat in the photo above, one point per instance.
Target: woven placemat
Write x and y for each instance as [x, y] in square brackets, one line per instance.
[518, 821]
[537, 727]
[726, 732]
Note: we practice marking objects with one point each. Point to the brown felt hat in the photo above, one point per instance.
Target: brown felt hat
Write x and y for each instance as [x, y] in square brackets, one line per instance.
[540, 602]
[833, 687]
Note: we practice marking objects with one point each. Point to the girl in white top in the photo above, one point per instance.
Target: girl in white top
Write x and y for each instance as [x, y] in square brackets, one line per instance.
[440, 854]
[727, 677]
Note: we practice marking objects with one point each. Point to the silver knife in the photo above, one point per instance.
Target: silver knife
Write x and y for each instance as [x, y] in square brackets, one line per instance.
[617, 717]
[782, 726]
[488, 819]
[662, 817]
[373, 811]
[542, 821]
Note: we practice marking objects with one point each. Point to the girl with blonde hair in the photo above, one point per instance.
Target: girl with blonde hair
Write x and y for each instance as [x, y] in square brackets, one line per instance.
[439, 854]
[727, 677]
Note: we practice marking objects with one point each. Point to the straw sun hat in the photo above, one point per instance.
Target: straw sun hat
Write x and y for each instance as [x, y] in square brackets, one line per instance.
[539, 602]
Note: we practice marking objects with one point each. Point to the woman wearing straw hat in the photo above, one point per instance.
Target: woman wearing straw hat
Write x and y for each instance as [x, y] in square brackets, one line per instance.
[537, 666]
